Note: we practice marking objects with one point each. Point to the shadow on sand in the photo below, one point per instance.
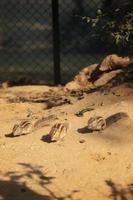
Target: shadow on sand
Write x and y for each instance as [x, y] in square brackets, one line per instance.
[17, 189]
[118, 192]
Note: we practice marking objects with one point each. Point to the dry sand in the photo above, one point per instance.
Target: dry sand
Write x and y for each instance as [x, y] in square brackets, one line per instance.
[84, 166]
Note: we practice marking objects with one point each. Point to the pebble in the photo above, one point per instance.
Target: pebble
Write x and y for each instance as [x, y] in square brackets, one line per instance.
[82, 141]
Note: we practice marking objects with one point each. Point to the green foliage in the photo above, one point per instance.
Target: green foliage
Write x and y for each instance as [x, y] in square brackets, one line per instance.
[113, 24]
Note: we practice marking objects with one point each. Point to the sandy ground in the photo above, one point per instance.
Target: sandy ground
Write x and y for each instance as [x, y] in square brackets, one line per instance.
[84, 166]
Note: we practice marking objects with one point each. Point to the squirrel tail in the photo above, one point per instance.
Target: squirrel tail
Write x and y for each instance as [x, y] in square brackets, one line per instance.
[116, 117]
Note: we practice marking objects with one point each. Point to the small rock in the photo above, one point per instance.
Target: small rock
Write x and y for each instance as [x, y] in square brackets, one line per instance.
[82, 141]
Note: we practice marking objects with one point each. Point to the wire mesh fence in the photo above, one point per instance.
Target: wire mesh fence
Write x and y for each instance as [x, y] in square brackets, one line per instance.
[26, 39]
[76, 45]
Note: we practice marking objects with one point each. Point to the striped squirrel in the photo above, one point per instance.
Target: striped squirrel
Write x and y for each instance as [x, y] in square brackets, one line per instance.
[100, 123]
[57, 132]
[28, 126]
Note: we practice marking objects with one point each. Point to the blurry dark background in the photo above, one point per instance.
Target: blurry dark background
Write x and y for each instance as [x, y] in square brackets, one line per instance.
[26, 39]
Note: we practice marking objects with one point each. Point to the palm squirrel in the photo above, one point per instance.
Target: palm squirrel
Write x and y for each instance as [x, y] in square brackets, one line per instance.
[100, 123]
